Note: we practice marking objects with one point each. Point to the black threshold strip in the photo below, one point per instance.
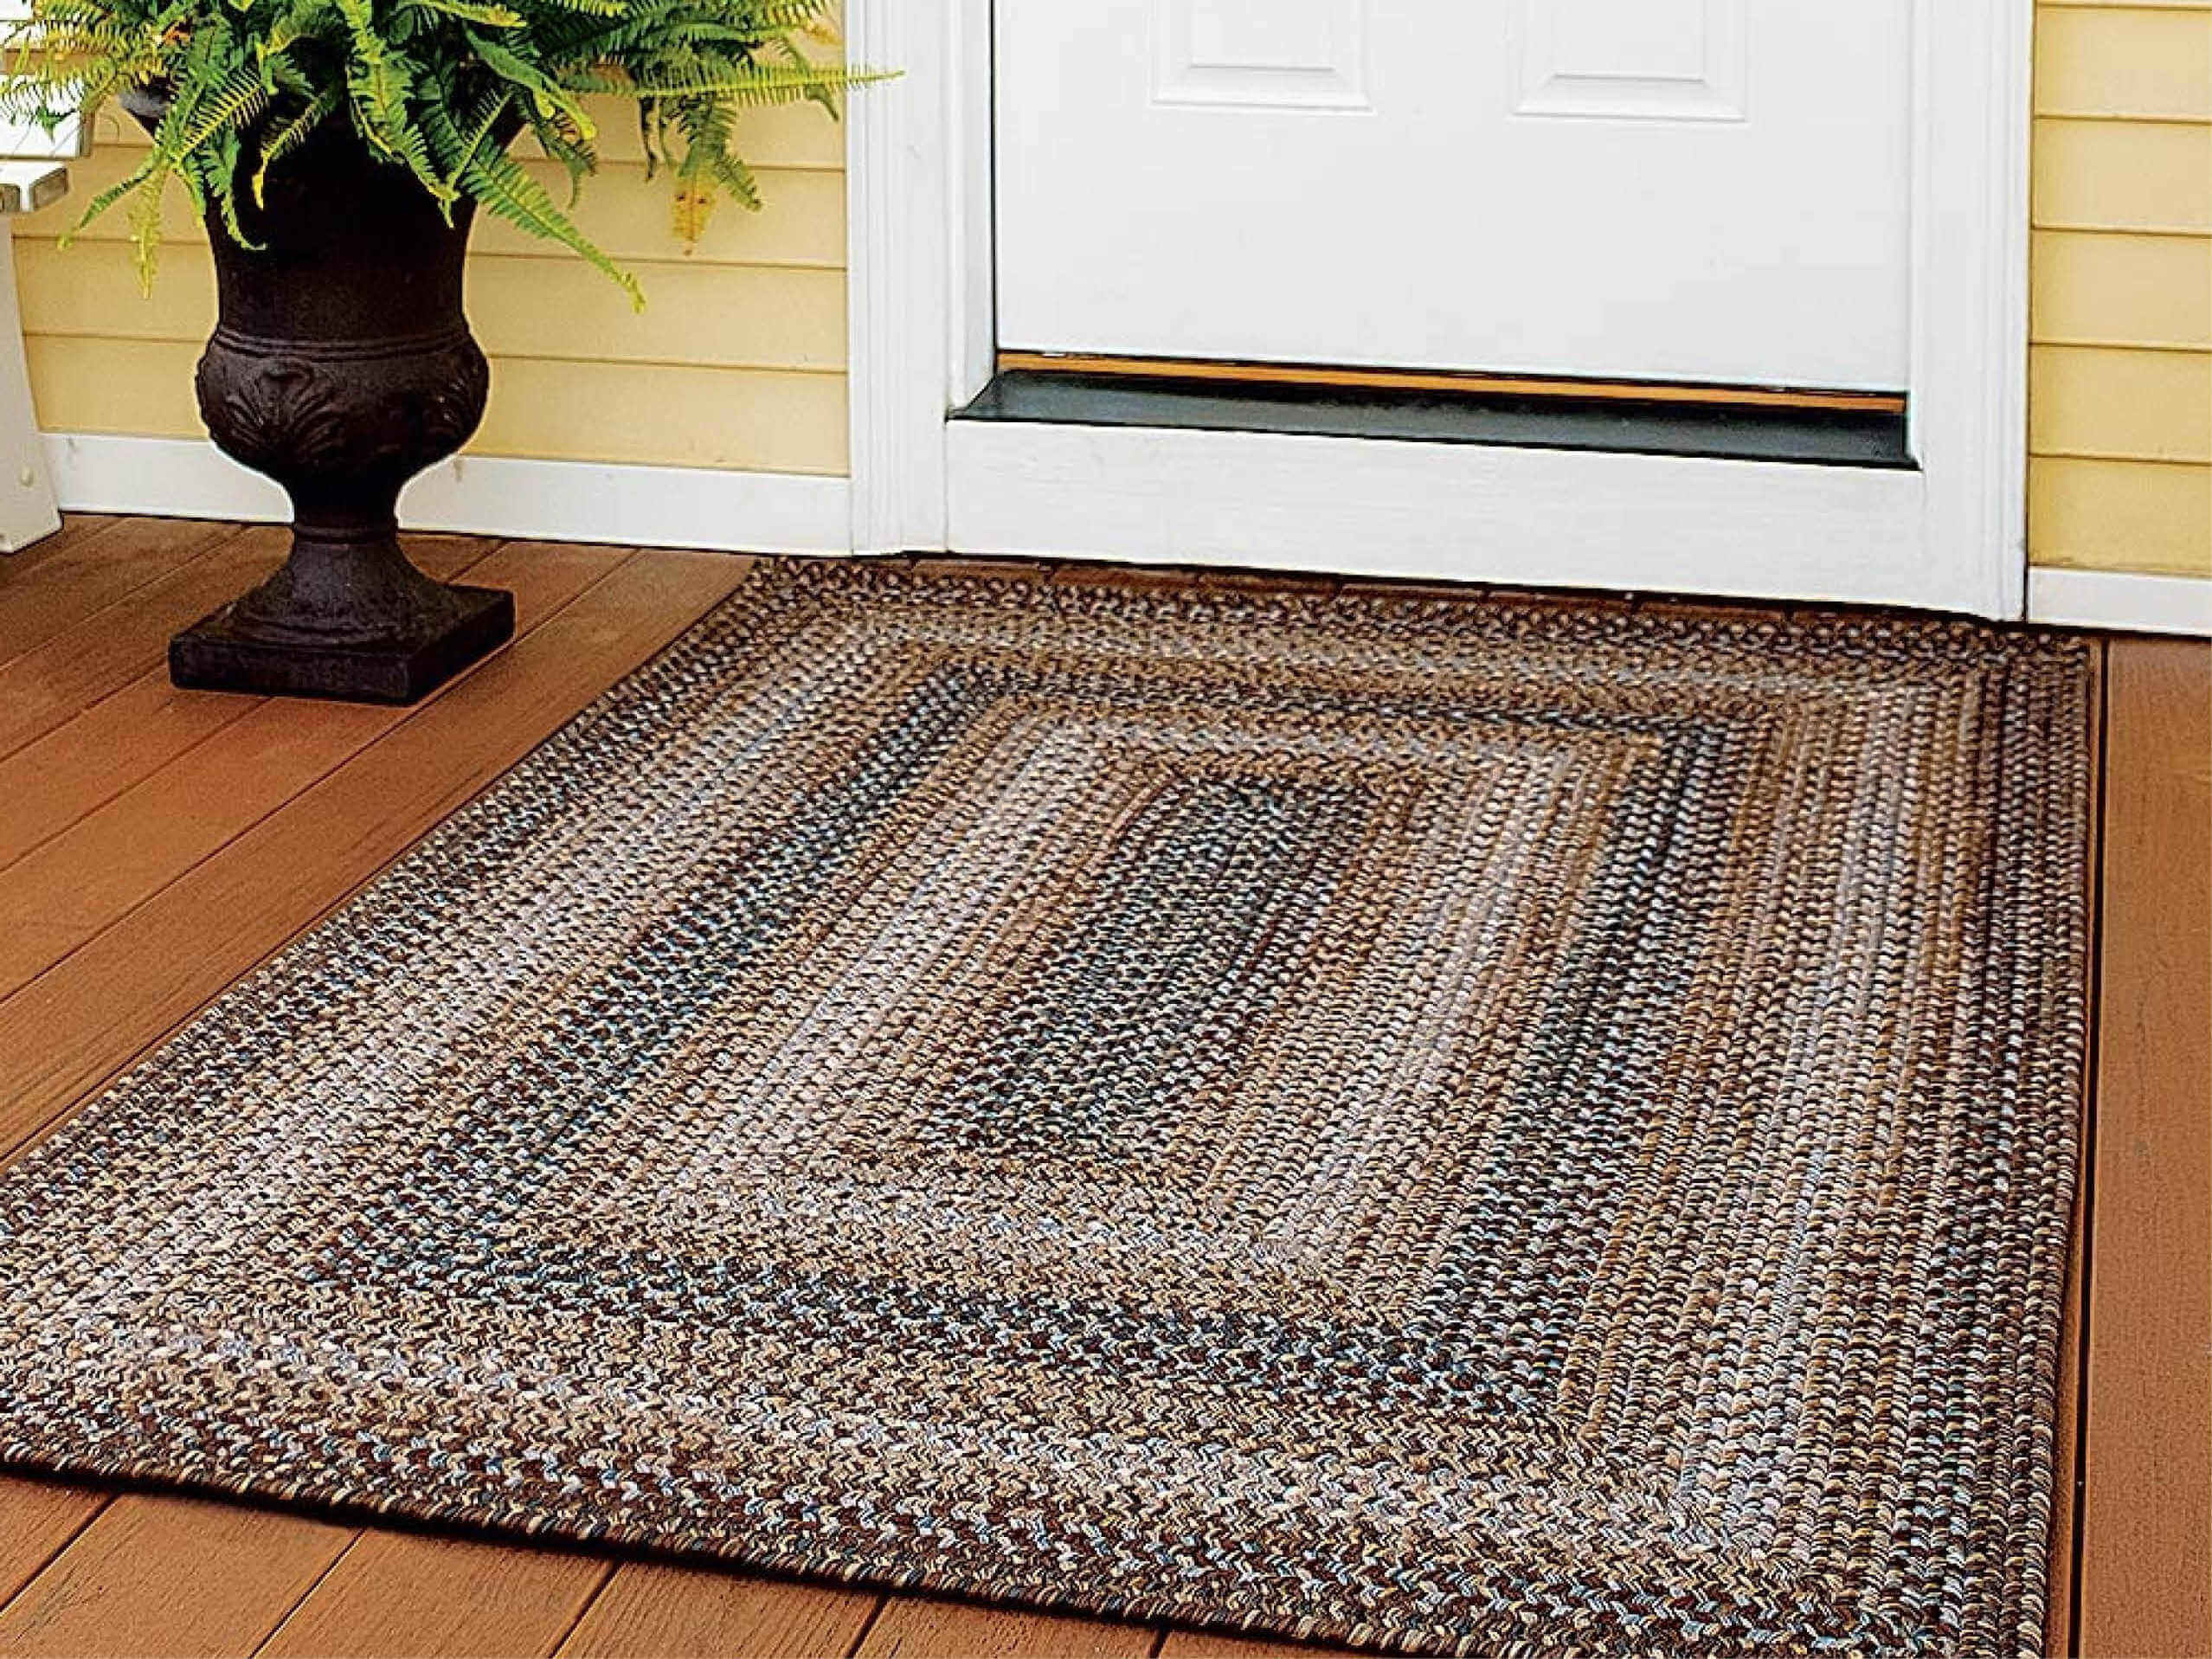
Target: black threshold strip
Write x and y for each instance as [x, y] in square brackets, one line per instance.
[1818, 437]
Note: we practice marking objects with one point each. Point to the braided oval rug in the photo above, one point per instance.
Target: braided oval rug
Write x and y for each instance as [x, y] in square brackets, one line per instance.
[1421, 1121]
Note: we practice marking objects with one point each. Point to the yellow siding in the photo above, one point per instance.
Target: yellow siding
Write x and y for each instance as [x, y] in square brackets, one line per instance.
[2101, 515]
[2121, 360]
[737, 360]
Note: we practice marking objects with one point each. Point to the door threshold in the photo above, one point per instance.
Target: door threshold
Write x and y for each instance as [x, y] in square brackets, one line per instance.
[1829, 429]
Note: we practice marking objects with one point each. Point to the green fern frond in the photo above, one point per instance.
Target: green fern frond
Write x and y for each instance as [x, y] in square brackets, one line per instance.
[312, 21]
[145, 231]
[746, 86]
[136, 181]
[595, 8]
[435, 87]
[456, 146]
[546, 95]
[240, 96]
[496, 179]
[289, 134]
[486, 17]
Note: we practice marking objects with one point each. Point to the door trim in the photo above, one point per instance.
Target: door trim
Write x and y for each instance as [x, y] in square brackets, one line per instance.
[2126, 601]
[1950, 537]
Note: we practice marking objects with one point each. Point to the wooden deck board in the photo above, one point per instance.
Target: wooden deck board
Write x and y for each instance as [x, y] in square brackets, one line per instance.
[66, 1031]
[170, 1576]
[37, 1520]
[74, 669]
[2144, 1583]
[88, 760]
[85, 567]
[661, 1610]
[92, 726]
[19, 566]
[928, 1627]
[125, 851]
[1210, 1645]
[405, 1595]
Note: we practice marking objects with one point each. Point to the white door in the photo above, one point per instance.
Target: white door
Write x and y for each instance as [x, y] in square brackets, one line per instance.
[1668, 190]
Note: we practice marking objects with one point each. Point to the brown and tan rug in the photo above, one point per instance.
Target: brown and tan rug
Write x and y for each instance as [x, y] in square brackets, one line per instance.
[1420, 1121]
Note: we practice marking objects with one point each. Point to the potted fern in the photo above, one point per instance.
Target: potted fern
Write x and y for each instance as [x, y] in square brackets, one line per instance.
[339, 152]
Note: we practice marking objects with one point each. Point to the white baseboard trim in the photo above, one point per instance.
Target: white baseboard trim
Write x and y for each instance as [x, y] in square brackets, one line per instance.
[566, 501]
[1456, 512]
[169, 478]
[2121, 601]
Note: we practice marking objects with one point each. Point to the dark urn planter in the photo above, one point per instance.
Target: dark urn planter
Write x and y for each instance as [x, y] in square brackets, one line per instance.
[341, 366]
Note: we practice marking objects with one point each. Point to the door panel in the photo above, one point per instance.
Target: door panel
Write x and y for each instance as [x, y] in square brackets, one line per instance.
[1679, 59]
[1676, 190]
[1296, 53]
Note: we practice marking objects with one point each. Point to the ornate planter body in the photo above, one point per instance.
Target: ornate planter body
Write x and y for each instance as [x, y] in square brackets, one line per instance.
[341, 366]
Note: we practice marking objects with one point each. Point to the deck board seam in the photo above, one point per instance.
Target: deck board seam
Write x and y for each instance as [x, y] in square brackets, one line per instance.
[124, 785]
[867, 1627]
[246, 828]
[608, 1567]
[46, 1565]
[93, 620]
[313, 1585]
[129, 595]
[62, 1112]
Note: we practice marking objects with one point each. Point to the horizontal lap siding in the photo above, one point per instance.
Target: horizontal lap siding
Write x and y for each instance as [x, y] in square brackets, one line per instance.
[737, 360]
[2120, 363]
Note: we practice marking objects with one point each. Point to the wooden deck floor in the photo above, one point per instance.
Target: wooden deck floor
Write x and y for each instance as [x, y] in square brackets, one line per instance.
[156, 844]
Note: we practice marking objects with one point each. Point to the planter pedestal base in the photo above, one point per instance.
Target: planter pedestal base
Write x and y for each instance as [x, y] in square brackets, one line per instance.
[230, 652]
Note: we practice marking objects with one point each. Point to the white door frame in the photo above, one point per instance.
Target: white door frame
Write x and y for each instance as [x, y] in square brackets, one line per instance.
[1950, 536]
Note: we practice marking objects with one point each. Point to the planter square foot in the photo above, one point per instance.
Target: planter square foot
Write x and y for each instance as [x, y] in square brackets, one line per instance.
[217, 654]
